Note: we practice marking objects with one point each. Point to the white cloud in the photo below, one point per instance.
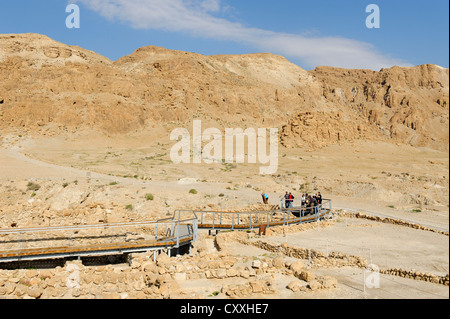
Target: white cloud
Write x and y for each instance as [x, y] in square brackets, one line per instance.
[210, 5]
[196, 17]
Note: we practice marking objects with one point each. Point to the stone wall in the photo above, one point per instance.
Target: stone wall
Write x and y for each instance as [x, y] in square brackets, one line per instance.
[417, 275]
[319, 259]
[392, 221]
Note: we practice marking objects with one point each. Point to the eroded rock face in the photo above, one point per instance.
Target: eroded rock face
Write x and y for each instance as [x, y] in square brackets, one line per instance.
[51, 85]
[408, 105]
[319, 129]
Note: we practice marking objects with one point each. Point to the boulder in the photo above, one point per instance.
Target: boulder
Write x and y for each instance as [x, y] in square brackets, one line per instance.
[257, 286]
[256, 264]
[297, 268]
[232, 272]
[314, 285]
[307, 276]
[68, 198]
[328, 282]
[278, 262]
[162, 260]
[295, 286]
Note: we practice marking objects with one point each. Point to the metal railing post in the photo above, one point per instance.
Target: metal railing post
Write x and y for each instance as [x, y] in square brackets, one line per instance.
[178, 234]
[195, 229]
[172, 228]
[21, 242]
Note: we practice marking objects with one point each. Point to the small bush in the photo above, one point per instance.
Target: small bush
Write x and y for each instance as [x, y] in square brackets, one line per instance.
[149, 197]
[113, 183]
[193, 191]
[33, 186]
[129, 207]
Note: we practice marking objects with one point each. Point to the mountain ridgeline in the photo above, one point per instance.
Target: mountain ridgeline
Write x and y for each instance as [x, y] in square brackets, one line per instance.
[55, 88]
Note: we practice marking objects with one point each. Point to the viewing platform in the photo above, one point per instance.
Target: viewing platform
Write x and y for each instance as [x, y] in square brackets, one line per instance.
[171, 234]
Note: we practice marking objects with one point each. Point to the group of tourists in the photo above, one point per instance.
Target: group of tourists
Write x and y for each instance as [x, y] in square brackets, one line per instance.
[307, 200]
[310, 202]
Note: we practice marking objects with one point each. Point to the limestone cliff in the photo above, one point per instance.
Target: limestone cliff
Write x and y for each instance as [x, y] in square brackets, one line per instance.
[52, 87]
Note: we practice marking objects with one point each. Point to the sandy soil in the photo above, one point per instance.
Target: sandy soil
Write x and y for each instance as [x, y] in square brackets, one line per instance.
[388, 246]
[374, 177]
[350, 279]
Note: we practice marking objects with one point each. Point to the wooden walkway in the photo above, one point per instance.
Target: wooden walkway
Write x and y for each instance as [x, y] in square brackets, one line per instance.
[177, 234]
[247, 226]
[169, 234]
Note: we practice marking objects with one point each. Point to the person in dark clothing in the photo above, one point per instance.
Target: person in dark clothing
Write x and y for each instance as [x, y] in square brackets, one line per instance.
[315, 204]
[319, 198]
[286, 200]
[308, 205]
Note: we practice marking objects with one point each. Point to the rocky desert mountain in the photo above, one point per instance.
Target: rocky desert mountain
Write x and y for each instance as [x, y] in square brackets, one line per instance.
[52, 87]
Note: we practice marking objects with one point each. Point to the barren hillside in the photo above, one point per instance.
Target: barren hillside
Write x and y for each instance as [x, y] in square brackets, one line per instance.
[52, 88]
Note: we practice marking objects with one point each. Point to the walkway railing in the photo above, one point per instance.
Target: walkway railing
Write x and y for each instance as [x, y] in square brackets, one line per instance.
[95, 240]
[216, 220]
[122, 238]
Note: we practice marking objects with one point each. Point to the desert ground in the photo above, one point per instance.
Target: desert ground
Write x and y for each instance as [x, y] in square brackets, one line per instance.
[82, 179]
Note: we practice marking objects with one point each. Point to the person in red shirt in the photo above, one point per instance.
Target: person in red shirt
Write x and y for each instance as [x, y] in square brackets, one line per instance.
[291, 201]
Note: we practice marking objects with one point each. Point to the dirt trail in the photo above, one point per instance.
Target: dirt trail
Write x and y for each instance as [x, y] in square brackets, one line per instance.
[17, 165]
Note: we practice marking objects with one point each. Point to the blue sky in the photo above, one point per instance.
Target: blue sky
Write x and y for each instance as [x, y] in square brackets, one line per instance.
[308, 33]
